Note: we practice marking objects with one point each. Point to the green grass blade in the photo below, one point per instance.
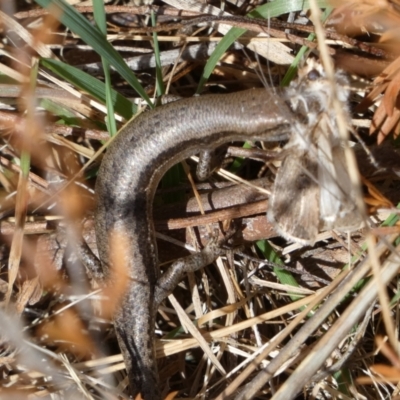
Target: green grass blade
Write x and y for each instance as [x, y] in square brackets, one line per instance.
[90, 85]
[285, 277]
[270, 10]
[159, 78]
[100, 18]
[291, 72]
[93, 37]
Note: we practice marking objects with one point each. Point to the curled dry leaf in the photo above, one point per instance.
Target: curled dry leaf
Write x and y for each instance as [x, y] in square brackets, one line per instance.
[386, 119]
[68, 331]
[381, 17]
[375, 199]
[360, 16]
[116, 285]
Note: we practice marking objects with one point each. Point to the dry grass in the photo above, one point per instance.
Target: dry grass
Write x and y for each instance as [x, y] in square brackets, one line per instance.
[334, 335]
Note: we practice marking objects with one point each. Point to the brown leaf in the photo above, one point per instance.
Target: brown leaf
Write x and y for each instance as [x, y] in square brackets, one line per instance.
[388, 126]
[118, 280]
[387, 116]
[390, 98]
[382, 17]
[68, 331]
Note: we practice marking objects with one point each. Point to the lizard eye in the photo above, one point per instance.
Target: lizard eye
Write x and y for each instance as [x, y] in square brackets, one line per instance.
[313, 75]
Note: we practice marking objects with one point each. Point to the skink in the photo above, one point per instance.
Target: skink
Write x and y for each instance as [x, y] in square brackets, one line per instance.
[128, 177]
